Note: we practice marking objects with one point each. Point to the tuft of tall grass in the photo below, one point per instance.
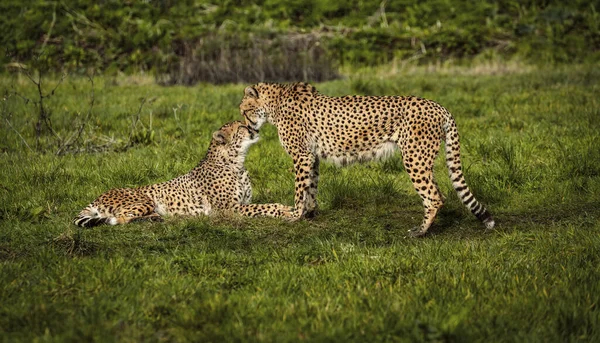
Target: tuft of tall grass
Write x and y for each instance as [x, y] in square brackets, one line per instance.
[224, 57]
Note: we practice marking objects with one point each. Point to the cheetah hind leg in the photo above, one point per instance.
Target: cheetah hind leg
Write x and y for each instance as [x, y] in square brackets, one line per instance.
[430, 213]
[137, 212]
[154, 217]
[421, 175]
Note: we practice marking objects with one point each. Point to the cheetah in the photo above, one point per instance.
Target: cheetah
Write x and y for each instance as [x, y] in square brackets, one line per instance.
[314, 126]
[219, 182]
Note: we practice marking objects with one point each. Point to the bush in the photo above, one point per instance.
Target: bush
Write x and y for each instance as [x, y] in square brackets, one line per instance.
[179, 38]
[230, 57]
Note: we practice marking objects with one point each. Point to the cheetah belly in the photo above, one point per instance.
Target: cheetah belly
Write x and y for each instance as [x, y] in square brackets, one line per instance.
[354, 146]
[341, 158]
[183, 205]
[178, 197]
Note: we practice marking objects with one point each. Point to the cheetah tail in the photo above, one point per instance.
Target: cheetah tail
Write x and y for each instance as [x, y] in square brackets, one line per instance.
[84, 221]
[90, 217]
[457, 177]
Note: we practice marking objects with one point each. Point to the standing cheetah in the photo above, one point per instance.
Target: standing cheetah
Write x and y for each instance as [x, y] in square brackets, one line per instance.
[360, 128]
[219, 182]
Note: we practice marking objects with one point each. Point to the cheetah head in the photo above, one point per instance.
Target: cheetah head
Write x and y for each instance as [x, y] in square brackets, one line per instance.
[257, 105]
[234, 138]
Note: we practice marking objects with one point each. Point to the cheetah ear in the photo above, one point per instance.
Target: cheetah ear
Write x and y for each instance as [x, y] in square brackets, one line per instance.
[251, 92]
[219, 137]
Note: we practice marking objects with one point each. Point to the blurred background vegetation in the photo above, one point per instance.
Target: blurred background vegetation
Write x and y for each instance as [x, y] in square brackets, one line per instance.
[190, 41]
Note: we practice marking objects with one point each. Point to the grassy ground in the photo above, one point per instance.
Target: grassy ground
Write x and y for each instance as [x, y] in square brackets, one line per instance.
[531, 152]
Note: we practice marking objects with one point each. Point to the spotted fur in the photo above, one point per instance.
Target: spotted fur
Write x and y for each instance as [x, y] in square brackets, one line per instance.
[349, 129]
[219, 182]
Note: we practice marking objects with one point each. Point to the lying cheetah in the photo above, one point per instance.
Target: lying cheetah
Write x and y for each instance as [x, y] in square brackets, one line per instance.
[360, 128]
[219, 182]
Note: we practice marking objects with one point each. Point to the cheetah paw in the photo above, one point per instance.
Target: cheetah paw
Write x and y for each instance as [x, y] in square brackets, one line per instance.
[416, 232]
[291, 215]
[310, 214]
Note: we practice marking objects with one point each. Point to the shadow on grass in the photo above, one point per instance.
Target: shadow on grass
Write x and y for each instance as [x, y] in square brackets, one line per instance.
[8, 254]
[581, 215]
[306, 242]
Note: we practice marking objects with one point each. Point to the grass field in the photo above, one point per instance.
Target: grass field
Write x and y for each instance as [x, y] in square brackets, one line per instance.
[531, 152]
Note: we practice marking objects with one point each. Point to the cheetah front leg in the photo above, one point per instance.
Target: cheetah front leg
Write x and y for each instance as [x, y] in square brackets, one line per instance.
[311, 196]
[266, 210]
[306, 167]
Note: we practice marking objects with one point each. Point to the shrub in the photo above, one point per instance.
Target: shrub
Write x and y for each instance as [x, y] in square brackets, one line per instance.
[224, 57]
[190, 41]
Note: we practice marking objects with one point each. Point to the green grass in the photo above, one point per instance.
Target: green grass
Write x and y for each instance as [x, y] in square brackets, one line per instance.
[531, 153]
